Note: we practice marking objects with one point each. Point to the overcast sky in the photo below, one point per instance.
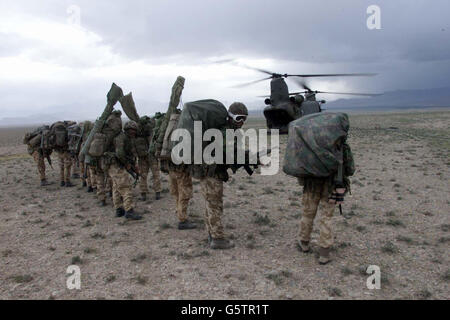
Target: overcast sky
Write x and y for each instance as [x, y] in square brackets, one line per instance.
[50, 63]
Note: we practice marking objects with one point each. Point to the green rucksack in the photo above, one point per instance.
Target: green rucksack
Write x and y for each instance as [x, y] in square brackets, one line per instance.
[317, 147]
[75, 135]
[59, 138]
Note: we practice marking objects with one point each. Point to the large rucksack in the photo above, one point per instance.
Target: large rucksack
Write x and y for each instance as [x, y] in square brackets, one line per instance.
[211, 113]
[59, 138]
[316, 146]
[144, 134]
[75, 135]
[33, 138]
[103, 140]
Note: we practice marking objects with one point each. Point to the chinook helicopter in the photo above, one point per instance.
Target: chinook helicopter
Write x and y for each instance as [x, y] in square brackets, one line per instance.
[284, 107]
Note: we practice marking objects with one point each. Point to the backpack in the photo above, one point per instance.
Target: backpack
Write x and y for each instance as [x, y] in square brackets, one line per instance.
[59, 137]
[102, 141]
[34, 138]
[316, 146]
[75, 135]
[211, 113]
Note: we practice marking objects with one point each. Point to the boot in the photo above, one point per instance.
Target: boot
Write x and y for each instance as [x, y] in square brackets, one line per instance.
[158, 195]
[304, 246]
[324, 254]
[130, 214]
[62, 184]
[90, 189]
[44, 183]
[221, 244]
[186, 225]
[120, 212]
[69, 184]
[143, 197]
[103, 203]
[110, 194]
[84, 184]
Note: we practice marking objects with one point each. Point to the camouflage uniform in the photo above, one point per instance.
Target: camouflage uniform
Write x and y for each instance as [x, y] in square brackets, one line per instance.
[100, 180]
[316, 191]
[75, 167]
[39, 160]
[155, 169]
[212, 190]
[124, 154]
[65, 164]
[181, 188]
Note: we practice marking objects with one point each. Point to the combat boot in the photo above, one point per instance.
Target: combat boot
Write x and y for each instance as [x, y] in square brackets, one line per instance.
[103, 203]
[84, 184]
[44, 183]
[120, 212]
[130, 214]
[221, 244]
[186, 225]
[62, 184]
[90, 189]
[69, 184]
[324, 255]
[303, 245]
[158, 195]
[143, 197]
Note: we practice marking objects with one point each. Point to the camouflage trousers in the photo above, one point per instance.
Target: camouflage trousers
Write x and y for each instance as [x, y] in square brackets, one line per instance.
[85, 171]
[99, 175]
[212, 189]
[121, 187]
[65, 164]
[156, 170]
[75, 166]
[39, 159]
[317, 194]
[181, 189]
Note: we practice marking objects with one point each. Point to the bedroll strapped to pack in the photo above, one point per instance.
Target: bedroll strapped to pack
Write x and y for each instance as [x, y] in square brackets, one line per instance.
[166, 146]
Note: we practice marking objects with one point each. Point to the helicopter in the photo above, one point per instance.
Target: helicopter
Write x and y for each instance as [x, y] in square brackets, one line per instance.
[284, 107]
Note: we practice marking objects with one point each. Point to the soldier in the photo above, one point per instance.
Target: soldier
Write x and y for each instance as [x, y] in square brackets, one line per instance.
[180, 177]
[121, 161]
[38, 154]
[59, 135]
[212, 186]
[153, 161]
[328, 193]
[87, 179]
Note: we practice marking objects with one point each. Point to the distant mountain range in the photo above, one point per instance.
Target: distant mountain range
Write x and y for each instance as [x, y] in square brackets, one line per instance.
[400, 99]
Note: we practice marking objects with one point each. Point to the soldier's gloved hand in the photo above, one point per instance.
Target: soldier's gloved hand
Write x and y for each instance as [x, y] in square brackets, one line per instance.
[337, 197]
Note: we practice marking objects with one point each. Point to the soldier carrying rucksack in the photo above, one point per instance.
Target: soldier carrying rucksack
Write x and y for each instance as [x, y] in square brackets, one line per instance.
[39, 150]
[317, 154]
[59, 141]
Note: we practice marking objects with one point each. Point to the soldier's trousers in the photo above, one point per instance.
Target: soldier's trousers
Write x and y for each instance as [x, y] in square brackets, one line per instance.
[39, 159]
[75, 166]
[65, 164]
[122, 189]
[312, 199]
[181, 189]
[93, 176]
[155, 168]
[100, 179]
[212, 189]
[85, 171]
[144, 167]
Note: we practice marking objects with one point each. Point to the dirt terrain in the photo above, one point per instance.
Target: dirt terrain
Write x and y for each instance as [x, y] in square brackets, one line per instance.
[396, 218]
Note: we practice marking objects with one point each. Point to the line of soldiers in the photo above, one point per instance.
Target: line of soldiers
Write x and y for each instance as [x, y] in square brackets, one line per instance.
[111, 173]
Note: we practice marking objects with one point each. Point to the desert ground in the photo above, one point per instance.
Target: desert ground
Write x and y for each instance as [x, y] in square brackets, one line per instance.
[397, 217]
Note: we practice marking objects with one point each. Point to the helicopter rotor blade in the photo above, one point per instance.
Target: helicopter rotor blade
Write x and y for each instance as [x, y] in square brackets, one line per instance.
[352, 93]
[250, 83]
[332, 75]
[301, 83]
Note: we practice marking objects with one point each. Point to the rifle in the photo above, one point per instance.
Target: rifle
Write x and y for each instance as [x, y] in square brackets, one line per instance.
[133, 172]
[249, 168]
[44, 153]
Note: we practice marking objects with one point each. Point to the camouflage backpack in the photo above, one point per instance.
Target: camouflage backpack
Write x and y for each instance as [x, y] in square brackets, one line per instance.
[33, 139]
[75, 134]
[167, 145]
[59, 138]
[317, 147]
[102, 141]
[144, 134]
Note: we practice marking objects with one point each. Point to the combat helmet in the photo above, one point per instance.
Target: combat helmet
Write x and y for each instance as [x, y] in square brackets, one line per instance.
[130, 125]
